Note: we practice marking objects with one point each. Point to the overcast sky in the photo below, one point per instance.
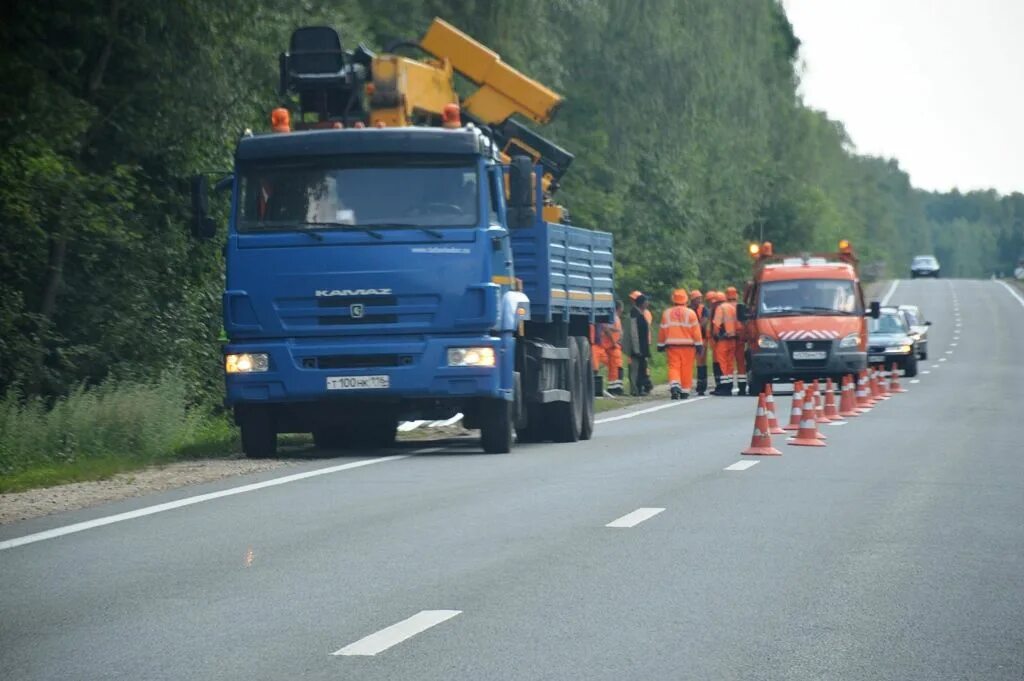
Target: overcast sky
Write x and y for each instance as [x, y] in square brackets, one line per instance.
[937, 84]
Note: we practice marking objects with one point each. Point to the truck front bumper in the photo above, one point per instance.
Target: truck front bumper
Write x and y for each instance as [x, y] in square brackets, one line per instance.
[779, 366]
[394, 369]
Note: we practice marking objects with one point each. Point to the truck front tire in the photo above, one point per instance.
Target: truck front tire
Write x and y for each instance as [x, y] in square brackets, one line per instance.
[259, 435]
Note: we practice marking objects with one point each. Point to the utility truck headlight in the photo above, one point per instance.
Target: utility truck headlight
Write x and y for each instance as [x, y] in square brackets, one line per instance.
[767, 342]
[471, 357]
[851, 341]
[898, 348]
[247, 363]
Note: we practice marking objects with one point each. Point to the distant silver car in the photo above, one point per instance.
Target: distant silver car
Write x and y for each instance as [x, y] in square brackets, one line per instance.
[924, 266]
[918, 328]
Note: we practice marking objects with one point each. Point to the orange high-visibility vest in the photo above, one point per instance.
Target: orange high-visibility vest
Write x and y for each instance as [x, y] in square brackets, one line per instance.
[679, 326]
[725, 320]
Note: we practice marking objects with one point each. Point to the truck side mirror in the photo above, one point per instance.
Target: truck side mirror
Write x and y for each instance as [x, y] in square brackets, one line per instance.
[742, 312]
[521, 211]
[203, 226]
[876, 310]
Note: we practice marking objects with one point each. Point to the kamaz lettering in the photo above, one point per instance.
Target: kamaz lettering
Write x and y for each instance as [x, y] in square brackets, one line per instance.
[325, 293]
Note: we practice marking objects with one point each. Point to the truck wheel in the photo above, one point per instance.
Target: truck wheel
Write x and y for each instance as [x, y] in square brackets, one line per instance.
[259, 436]
[496, 426]
[566, 418]
[755, 383]
[587, 393]
[534, 429]
[372, 434]
[330, 438]
[910, 366]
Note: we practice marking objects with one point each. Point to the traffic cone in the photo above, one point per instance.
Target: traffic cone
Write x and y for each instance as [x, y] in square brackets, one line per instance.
[848, 398]
[879, 373]
[807, 435]
[896, 387]
[796, 411]
[875, 392]
[761, 440]
[883, 382]
[831, 412]
[819, 404]
[769, 403]
[864, 402]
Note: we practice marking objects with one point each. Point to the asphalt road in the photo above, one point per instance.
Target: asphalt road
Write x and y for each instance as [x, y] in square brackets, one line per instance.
[897, 552]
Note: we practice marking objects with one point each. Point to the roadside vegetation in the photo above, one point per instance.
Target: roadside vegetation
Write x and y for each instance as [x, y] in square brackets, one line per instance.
[684, 115]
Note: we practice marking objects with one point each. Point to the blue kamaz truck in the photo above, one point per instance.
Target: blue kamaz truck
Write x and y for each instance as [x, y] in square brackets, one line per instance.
[395, 254]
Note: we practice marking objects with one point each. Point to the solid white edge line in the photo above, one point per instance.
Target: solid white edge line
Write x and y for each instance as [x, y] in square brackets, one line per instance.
[1020, 299]
[741, 466]
[380, 641]
[635, 518]
[888, 294]
[651, 410]
[191, 501]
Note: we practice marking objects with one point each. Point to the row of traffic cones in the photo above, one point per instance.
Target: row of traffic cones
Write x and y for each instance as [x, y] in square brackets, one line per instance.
[810, 408]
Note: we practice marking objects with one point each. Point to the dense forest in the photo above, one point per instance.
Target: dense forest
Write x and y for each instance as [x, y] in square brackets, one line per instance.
[684, 115]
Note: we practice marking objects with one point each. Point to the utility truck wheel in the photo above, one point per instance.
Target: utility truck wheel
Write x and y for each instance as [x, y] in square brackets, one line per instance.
[259, 436]
[566, 418]
[587, 392]
[496, 426]
[755, 383]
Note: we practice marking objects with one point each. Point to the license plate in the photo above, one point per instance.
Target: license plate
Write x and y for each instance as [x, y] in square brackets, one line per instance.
[358, 382]
[876, 358]
[810, 354]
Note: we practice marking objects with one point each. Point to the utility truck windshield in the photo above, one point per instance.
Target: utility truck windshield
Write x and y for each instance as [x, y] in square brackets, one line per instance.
[808, 297]
[360, 192]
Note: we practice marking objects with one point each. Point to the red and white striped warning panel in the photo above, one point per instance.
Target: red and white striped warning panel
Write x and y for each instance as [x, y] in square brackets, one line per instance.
[808, 335]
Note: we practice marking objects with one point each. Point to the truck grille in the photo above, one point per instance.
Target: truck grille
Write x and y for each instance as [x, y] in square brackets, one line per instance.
[355, 361]
[809, 346]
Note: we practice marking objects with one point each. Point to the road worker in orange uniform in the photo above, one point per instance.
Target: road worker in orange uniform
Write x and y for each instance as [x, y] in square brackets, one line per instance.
[697, 305]
[680, 339]
[729, 344]
[714, 298]
[607, 343]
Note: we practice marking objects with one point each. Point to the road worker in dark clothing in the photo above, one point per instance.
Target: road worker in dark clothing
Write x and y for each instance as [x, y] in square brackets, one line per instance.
[697, 305]
[636, 344]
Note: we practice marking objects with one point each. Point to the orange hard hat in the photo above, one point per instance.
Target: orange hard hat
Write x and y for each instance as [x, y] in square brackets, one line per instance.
[713, 296]
[731, 294]
[679, 297]
[695, 293]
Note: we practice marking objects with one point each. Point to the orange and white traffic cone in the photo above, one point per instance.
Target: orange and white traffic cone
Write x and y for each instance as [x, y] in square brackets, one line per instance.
[769, 405]
[848, 399]
[896, 387]
[819, 404]
[807, 435]
[876, 390]
[883, 382]
[831, 413]
[761, 440]
[796, 411]
[864, 401]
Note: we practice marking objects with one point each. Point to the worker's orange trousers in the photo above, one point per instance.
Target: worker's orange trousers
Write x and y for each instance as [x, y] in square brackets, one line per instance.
[680, 366]
[611, 359]
[729, 355]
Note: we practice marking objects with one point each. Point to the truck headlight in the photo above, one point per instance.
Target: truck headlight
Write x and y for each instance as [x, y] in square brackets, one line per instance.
[851, 341]
[767, 342]
[471, 357]
[247, 363]
[898, 348]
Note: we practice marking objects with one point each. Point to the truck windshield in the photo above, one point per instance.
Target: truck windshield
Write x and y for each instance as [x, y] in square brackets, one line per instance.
[808, 296]
[361, 193]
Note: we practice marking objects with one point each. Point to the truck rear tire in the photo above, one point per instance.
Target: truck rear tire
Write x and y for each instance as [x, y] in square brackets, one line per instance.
[330, 438]
[372, 434]
[588, 390]
[259, 436]
[496, 426]
[566, 418]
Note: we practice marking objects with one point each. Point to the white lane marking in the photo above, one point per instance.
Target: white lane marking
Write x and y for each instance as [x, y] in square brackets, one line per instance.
[915, 380]
[198, 499]
[936, 366]
[651, 410]
[741, 466]
[948, 352]
[635, 518]
[888, 294]
[942, 359]
[1013, 293]
[925, 372]
[380, 641]
[953, 345]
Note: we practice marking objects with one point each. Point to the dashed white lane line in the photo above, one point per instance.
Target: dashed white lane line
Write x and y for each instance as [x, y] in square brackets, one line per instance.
[380, 641]
[942, 359]
[915, 380]
[1013, 293]
[635, 518]
[925, 372]
[199, 498]
[741, 466]
[651, 410]
[889, 292]
[953, 345]
[948, 352]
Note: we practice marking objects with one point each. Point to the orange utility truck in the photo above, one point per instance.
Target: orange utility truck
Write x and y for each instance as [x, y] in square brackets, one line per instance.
[803, 317]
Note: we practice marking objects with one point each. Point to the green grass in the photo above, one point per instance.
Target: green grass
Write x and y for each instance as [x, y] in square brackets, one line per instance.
[95, 433]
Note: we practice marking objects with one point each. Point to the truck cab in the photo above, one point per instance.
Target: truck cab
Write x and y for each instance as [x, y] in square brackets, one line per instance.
[804, 317]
